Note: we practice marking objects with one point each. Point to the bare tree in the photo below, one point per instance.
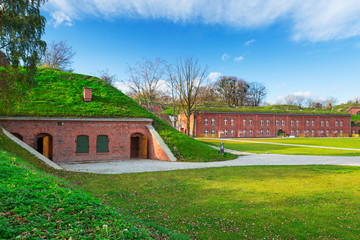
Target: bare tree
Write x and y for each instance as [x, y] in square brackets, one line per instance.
[256, 94]
[292, 99]
[58, 55]
[175, 93]
[190, 75]
[107, 77]
[232, 90]
[145, 79]
[330, 102]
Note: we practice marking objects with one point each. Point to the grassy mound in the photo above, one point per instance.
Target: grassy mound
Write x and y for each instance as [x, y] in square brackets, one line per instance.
[34, 205]
[59, 94]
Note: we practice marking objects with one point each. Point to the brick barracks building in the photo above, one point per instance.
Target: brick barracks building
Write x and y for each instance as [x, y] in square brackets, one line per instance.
[268, 125]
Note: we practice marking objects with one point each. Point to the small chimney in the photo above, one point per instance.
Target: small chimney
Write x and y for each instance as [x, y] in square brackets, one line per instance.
[87, 94]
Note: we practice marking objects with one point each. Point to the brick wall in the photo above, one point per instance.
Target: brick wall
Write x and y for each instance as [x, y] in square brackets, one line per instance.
[269, 125]
[353, 110]
[64, 134]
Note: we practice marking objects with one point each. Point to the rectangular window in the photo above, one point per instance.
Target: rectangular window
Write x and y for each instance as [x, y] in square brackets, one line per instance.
[307, 122]
[102, 144]
[313, 123]
[267, 122]
[292, 122]
[250, 122]
[232, 122]
[322, 123]
[213, 132]
[327, 123]
[262, 132]
[268, 132]
[232, 132]
[336, 123]
[277, 122]
[250, 132]
[283, 122]
[341, 123]
[82, 144]
[213, 121]
[206, 121]
[244, 132]
[292, 132]
[261, 122]
[297, 122]
[225, 121]
[244, 122]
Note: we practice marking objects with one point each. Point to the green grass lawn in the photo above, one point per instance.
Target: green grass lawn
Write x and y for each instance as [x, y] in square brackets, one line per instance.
[279, 149]
[272, 202]
[353, 142]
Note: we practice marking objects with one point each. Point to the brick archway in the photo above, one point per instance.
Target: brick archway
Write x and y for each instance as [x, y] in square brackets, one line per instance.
[44, 144]
[138, 146]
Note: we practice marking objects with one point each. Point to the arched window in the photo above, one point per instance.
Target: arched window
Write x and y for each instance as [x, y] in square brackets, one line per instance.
[250, 122]
[206, 132]
[226, 132]
[225, 121]
[102, 144]
[232, 132]
[358, 113]
[250, 132]
[206, 121]
[213, 121]
[213, 132]
[232, 122]
[82, 144]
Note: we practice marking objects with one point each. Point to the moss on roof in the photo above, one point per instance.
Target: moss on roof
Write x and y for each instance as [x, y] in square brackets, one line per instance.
[59, 94]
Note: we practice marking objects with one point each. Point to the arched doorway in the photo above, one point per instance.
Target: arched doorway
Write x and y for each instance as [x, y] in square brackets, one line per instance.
[18, 136]
[44, 144]
[138, 146]
[280, 132]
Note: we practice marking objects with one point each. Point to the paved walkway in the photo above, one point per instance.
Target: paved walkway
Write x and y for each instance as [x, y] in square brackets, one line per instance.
[145, 165]
[286, 144]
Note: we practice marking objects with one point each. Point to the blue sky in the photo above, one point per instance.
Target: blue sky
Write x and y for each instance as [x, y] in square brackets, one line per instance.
[309, 48]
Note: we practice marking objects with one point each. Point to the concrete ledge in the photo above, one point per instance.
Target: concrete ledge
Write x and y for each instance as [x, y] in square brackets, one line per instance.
[161, 142]
[79, 119]
[31, 150]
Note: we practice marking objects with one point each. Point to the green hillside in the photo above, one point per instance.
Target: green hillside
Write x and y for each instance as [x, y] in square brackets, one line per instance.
[59, 94]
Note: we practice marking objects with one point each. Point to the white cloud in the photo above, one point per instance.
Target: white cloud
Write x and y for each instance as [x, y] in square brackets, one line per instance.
[225, 57]
[124, 87]
[311, 20]
[238, 59]
[213, 76]
[248, 43]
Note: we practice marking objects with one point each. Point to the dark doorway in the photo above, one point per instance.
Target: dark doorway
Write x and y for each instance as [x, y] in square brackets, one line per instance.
[280, 132]
[359, 132]
[44, 145]
[135, 147]
[139, 146]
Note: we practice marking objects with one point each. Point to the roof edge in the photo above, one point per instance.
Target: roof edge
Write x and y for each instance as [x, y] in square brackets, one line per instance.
[270, 113]
[79, 119]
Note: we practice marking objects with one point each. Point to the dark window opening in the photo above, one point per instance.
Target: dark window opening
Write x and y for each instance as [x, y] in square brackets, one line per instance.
[102, 144]
[82, 144]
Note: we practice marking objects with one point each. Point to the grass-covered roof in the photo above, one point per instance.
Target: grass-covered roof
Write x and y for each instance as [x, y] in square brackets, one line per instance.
[60, 94]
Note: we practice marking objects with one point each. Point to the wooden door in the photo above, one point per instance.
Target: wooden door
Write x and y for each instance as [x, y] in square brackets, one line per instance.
[143, 147]
[46, 146]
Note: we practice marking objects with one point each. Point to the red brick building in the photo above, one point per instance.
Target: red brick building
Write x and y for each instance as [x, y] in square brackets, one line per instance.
[266, 125]
[354, 111]
[88, 139]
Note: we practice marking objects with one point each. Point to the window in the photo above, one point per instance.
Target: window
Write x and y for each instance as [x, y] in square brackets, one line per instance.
[232, 122]
[268, 132]
[307, 122]
[297, 132]
[82, 144]
[244, 132]
[213, 121]
[358, 113]
[312, 123]
[327, 132]
[327, 123]
[102, 144]
[226, 132]
[283, 122]
[244, 122]
[225, 121]
[277, 122]
[313, 132]
[250, 122]
[213, 132]
[297, 122]
[341, 123]
[206, 132]
[292, 132]
[232, 132]
[206, 121]
[250, 132]
[262, 122]
[341, 132]
[267, 122]
[322, 123]
[336, 123]
[353, 131]
[292, 122]
[262, 132]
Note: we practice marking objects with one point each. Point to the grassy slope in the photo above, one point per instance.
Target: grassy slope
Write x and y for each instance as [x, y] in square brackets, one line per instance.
[59, 94]
[280, 149]
[280, 202]
[34, 205]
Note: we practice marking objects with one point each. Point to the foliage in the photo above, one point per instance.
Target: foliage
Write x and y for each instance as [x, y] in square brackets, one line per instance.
[35, 205]
[257, 202]
[59, 94]
[232, 90]
[58, 56]
[261, 146]
[21, 28]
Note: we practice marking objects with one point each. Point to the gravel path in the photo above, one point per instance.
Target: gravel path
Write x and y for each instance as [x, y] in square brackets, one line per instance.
[145, 165]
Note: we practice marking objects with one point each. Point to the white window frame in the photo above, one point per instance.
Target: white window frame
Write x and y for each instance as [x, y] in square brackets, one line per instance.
[268, 132]
[322, 123]
[282, 122]
[312, 123]
[250, 132]
[232, 122]
[341, 123]
[213, 121]
[244, 122]
[225, 121]
[213, 132]
[244, 132]
[267, 122]
[206, 132]
[307, 123]
[262, 132]
[250, 122]
[225, 132]
[297, 123]
[292, 122]
[232, 132]
[336, 123]
[277, 122]
[206, 121]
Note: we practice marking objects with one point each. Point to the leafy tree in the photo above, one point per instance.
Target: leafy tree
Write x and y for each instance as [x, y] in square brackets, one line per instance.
[232, 90]
[21, 28]
[59, 55]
